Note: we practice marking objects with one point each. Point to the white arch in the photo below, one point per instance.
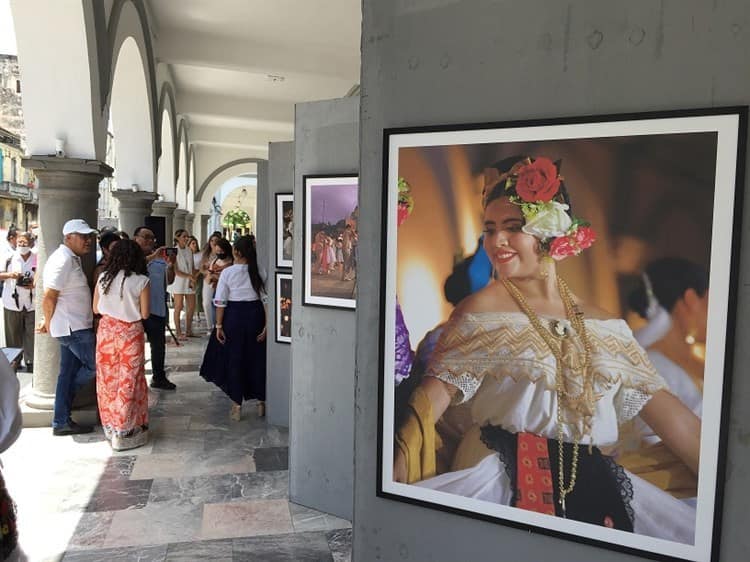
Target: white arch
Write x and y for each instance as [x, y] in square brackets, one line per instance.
[182, 178]
[132, 119]
[58, 55]
[165, 175]
[191, 183]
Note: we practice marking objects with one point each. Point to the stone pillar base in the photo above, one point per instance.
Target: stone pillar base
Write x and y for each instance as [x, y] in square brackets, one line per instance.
[68, 189]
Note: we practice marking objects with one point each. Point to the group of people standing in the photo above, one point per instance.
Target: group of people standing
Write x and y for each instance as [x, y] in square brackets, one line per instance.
[129, 302]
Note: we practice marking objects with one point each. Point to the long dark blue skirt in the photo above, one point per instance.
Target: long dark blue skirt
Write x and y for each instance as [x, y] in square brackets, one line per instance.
[238, 367]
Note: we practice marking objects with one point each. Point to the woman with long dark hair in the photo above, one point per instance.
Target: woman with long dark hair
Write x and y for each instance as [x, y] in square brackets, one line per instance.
[122, 297]
[235, 358]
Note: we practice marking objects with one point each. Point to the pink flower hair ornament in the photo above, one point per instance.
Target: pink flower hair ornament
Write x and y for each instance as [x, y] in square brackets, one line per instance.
[536, 186]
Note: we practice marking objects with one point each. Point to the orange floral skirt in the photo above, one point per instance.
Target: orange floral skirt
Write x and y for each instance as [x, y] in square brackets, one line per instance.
[121, 388]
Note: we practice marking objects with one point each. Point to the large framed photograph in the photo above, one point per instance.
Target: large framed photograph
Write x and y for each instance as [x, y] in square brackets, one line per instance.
[560, 296]
[283, 307]
[284, 229]
[330, 240]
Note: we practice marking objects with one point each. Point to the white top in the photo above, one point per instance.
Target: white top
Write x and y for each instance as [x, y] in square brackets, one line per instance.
[25, 295]
[680, 384]
[197, 259]
[500, 363]
[234, 285]
[63, 272]
[122, 301]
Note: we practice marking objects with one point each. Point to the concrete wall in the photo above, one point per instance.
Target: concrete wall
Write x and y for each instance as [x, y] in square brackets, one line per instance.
[451, 61]
[263, 222]
[280, 180]
[321, 470]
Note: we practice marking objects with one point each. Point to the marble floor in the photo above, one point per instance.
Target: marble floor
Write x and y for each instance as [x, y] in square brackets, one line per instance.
[203, 488]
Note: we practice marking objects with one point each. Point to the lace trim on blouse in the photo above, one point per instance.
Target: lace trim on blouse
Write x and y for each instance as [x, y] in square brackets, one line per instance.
[505, 345]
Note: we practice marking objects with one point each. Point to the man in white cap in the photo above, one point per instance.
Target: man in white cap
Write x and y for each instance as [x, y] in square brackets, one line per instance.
[68, 317]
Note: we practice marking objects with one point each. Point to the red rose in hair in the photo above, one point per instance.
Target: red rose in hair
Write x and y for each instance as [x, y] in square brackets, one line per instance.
[563, 247]
[584, 237]
[538, 181]
[403, 213]
[573, 244]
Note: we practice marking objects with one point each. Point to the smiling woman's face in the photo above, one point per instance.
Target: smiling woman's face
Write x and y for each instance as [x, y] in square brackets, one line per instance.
[512, 252]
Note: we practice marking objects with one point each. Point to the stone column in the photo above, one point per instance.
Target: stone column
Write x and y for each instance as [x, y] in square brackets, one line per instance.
[204, 229]
[165, 209]
[179, 219]
[189, 218]
[135, 206]
[68, 189]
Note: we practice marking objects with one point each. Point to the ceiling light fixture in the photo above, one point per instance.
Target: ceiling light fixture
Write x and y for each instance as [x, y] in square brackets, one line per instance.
[275, 77]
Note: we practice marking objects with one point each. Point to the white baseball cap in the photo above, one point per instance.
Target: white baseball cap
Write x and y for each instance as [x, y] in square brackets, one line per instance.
[78, 226]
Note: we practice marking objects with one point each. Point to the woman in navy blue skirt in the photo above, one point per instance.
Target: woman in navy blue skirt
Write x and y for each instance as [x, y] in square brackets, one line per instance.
[235, 358]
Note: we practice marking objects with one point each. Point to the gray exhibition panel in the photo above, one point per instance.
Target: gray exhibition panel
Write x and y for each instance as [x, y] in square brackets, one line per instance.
[429, 62]
[280, 180]
[321, 459]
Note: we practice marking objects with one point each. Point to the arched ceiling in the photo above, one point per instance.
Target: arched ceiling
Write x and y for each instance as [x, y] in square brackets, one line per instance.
[239, 66]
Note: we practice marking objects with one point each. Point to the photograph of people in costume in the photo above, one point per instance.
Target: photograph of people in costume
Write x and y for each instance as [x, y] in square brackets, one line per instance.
[546, 334]
[331, 241]
[283, 307]
[284, 229]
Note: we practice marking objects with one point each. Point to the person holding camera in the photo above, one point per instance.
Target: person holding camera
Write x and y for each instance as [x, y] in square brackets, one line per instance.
[18, 298]
[160, 270]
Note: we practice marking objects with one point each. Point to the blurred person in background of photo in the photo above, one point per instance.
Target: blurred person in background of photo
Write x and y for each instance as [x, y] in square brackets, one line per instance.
[18, 276]
[107, 240]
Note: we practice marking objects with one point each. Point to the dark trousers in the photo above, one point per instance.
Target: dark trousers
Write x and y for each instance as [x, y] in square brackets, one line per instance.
[77, 368]
[19, 331]
[155, 326]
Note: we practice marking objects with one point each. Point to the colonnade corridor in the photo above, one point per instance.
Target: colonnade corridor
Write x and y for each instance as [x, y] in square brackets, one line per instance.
[203, 488]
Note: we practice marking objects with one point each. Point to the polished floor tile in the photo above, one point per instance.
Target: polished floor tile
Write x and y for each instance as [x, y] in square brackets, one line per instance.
[271, 458]
[203, 488]
[212, 550]
[246, 519]
[303, 547]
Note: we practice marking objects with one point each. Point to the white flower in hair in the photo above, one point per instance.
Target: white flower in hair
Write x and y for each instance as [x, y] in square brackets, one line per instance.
[549, 220]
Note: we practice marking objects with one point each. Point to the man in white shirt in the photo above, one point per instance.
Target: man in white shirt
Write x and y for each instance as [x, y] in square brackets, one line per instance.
[68, 317]
[18, 298]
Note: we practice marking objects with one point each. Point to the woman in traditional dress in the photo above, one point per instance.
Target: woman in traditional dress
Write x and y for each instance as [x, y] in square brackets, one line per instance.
[235, 359]
[121, 296]
[548, 378]
[182, 288]
[673, 297]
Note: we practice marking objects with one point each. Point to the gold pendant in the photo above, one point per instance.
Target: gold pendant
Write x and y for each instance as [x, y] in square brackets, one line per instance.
[559, 328]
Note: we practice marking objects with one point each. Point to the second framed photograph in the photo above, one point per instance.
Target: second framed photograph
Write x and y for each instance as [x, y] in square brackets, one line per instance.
[330, 240]
[560, 296]
[284, 229]
[283, 307]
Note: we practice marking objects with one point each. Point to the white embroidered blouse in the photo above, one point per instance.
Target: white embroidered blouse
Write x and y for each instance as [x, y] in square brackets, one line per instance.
[503, 366]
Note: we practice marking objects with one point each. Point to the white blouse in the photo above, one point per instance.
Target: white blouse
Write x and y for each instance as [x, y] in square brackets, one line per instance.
[234, 285]
[502, 365]
[122, 301]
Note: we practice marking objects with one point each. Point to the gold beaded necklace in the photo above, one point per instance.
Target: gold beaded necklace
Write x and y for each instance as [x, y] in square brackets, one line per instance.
[585, 402]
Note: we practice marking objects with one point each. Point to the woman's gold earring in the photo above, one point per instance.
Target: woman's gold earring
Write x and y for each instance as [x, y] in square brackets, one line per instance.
[545, 266]
[690, 338]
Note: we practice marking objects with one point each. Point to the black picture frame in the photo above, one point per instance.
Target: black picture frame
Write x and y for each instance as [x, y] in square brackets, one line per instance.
[729, 126]
[335, 287]
[284, 250]
[283, 311]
